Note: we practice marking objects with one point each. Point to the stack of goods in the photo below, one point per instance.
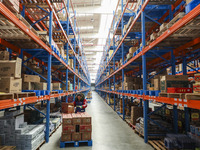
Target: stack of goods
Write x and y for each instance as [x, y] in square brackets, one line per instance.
[153, 128]
[32, 116]
[89, 95]
[13, 5]
[178, 141]
[196, 86]
[56, 86]
[71, 63]
[10, 75]
[15, 132]
[173, 81]
[131, 83]
[136, 112]
[131, 51]
[128, 107]
[76, 127]
[32, 82]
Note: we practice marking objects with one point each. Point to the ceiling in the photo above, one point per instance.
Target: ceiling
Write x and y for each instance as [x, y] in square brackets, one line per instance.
[94, 19]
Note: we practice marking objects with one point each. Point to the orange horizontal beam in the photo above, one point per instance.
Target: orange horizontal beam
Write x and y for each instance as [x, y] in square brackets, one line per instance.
[195, 104]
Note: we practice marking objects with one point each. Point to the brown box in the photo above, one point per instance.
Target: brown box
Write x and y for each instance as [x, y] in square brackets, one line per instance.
[4, 55]
[76, 119]
[67, 119]
[67, 108]
[173, 81]
[39, 86]
[156, 84]
[86, 136]
[86, 128]
[28, 86]
[56, 86]
[136, 112]
[76, 136]
[86, 118]
[66, 137]
[10, 85]
[31, 78]
[68, 128]
[10, 68]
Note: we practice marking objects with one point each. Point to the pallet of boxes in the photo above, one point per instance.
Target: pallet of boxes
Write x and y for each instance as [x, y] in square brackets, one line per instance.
[76, 127]
[89, 95]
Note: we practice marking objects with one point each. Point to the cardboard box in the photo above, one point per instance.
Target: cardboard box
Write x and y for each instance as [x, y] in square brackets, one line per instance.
[179, 90]
[156, 84]
[196, 88]
[66, 137]
[28, 86]
[86, 136]
[56, 86]
[197, 77]
[10, 68]
[39, 86]
[67, 108]
[86, 118]
[68, 128]
[4, 55]
[76, 136]
[85, 128]
[31, 78]
[136, 112]
[76, 119]
[67, 119]
[173, 81]
[10, 85]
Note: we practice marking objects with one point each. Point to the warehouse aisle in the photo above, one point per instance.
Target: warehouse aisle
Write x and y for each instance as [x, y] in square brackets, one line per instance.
[110, 132]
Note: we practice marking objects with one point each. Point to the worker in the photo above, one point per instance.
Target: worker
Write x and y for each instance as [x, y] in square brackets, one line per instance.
[80, 103]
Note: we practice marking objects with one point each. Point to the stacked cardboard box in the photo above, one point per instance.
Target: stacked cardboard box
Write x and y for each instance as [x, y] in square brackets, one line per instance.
[13, 5]
[71, 63]
[76, 127]
[32, 82]
[136, 112]
[131, 83]
[4, 55]
[168, 81]
[10, 76]
[196, 86]
[15, 132]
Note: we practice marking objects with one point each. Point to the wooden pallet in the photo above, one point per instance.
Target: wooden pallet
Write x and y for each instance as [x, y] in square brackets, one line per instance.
[7, 147]
[157, 144]
[192, 96]
[176, 95]
[4, 96]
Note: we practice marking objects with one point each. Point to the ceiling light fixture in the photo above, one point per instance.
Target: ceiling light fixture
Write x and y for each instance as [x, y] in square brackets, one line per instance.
[86, 27]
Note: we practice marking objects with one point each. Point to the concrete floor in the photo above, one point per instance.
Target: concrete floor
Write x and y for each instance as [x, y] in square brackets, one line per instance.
[110, 132]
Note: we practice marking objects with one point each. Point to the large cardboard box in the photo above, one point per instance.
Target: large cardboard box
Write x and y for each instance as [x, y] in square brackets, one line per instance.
[136, 112]
[86, 118]
[156, 83]
[10, 85]
[67, 119]
[85, 128]
[10, 68]
[31, 78]
[173, 81]
[86, 136]
[4, 55]
[68, 128]
[76, 136]
[76, 119]
[28, 86]
[40, 86]
[56, 86]
[67, 108]
[66, 137]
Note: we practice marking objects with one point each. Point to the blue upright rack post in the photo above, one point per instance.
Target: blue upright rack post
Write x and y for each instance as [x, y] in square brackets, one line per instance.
[49, 78]
[114, 59]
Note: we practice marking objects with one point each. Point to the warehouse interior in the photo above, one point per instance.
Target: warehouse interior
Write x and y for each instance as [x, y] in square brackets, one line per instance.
[99, 74]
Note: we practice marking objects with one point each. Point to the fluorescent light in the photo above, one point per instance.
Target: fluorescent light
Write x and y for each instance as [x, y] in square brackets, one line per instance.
[86, 27]
[82, 15]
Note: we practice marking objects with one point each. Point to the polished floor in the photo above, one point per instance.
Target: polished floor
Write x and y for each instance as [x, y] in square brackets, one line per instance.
[110, 132]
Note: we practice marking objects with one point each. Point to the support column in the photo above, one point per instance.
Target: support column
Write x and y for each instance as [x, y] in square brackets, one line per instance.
[144, 72]
[175, 111]
[49, 78]
[74, 57]
[187, 117]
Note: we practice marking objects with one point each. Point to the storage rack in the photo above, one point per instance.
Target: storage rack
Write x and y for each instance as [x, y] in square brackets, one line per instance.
[170, 48]
[43, 52]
